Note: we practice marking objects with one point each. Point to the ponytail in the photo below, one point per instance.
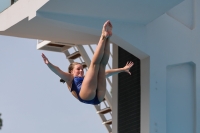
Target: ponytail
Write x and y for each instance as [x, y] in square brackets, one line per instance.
[63, 81]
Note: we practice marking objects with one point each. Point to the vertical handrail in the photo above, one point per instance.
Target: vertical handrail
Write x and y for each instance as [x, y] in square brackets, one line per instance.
[107, 95]
[86, 58]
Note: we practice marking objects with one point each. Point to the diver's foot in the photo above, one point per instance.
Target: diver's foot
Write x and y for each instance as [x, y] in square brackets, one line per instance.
[107, 29]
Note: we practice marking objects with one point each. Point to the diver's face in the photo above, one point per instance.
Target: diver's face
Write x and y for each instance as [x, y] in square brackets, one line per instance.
[78, 71]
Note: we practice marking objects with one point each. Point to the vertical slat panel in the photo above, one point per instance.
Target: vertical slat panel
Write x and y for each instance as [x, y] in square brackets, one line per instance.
[128, 95]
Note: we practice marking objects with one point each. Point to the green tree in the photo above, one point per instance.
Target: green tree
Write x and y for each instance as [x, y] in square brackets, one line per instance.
[1, 122]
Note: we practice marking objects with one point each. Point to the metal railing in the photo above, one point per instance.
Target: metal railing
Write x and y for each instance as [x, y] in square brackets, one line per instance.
[13, 1]
[5, 4]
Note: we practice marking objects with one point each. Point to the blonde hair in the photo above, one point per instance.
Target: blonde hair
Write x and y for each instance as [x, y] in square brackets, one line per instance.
[70, 68]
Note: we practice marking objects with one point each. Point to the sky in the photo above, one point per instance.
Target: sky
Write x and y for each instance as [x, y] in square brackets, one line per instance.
[32, 100]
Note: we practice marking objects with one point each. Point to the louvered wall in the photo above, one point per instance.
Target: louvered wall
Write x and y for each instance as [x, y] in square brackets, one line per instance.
[128, 94]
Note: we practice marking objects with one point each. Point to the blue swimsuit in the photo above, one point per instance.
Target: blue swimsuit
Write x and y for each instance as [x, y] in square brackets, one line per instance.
[76, 86]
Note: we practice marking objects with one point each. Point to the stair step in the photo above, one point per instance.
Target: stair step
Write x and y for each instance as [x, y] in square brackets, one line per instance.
[104, 111]
[74, 55]
[84, 64]
[108, 122]
[56, 45]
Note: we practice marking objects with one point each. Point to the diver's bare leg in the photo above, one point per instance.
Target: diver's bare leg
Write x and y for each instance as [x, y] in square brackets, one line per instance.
[101, 87]
[90, 82]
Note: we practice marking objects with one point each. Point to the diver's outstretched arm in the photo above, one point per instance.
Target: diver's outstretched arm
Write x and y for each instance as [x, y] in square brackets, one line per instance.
[126, 68]
[63, 75]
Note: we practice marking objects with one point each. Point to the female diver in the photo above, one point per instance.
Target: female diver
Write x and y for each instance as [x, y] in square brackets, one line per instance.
[91, 88]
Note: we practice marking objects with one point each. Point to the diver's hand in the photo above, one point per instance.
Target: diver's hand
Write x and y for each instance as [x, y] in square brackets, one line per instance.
[46, 61]
[128, 66]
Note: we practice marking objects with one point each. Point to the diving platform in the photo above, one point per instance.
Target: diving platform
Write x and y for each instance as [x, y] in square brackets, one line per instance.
[59, 21]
